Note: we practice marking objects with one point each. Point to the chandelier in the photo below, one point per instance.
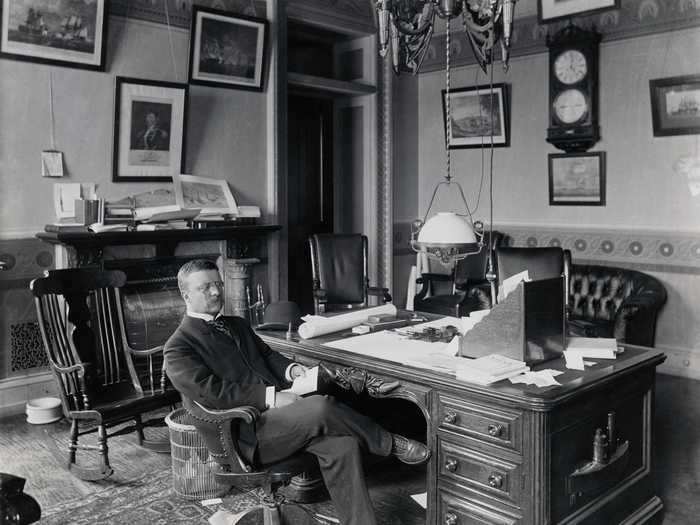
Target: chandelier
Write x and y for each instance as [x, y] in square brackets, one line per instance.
[406, 27]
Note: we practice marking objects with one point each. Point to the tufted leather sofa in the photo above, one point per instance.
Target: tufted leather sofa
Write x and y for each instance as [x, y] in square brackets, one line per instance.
[605, 301]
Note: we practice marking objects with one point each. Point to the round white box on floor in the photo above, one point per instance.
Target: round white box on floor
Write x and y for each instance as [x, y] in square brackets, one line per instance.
[43, 410]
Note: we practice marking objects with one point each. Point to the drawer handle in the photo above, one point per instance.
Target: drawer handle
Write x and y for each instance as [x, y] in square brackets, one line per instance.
[451, 518]
[450, 417]
[496, 481]
[495, 430]
[451, 465]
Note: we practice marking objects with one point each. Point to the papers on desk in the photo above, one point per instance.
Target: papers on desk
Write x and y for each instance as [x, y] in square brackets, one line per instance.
[490, 369]
[316, 325]
[397, 346]
[305, 384]
[511, 283]
[579, 348]
[541, 378]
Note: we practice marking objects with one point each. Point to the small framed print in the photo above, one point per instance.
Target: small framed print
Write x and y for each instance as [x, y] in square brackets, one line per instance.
[150, 122]
[210, 196]
[478, 116]
[675, 105]
[67, 33]
[577, 179]
[554, 10]
[227, 50]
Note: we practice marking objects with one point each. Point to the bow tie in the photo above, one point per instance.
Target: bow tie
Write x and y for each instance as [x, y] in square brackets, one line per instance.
[220, 326]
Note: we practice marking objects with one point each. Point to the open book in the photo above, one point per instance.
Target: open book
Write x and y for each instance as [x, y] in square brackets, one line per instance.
[306, 384]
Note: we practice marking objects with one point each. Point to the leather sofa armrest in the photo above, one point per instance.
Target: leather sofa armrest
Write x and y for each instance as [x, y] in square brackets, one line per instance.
[635, 320]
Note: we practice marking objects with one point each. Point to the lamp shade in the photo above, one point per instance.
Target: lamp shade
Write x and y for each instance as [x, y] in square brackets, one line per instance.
[446, 228]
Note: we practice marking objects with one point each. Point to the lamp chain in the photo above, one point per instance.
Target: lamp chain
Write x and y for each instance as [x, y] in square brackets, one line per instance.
[448, 117]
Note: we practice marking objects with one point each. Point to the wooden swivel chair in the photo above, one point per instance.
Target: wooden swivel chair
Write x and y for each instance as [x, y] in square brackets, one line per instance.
[100, 384]
[541, 263]
[340, 269]
[468, 287]
[219, 429]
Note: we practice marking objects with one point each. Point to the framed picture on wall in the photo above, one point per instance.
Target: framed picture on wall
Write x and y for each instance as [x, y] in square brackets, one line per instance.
[554, 10]
[577, 179]
[150, 120]
[675, 105]
[227, 50]
[69, 34]
[477, 116]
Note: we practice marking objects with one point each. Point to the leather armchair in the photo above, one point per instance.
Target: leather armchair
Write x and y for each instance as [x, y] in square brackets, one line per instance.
[468, 287]
[605, 301]
[340, 269]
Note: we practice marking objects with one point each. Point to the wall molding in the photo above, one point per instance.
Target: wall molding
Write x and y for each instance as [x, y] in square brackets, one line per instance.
[179, 12]
[635, 18]
[659, 250]
[16, 391]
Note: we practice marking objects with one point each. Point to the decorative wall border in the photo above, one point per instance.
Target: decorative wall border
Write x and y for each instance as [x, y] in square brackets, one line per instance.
[663, 251]
[355, 16]
[179, 12]
[634, 18]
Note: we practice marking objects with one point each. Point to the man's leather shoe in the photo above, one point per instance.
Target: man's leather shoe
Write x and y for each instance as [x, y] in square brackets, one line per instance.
[409, 450]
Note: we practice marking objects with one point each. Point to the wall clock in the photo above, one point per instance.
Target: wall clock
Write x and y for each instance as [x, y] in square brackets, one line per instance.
[573, 89]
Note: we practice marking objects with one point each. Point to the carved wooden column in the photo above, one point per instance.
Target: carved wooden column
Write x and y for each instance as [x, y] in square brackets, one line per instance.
[236, 278]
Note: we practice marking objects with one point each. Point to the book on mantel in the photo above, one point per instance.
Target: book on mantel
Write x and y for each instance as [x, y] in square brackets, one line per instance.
[490, 368]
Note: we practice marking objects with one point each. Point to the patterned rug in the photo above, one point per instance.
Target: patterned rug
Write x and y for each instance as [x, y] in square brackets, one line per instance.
[147, 500]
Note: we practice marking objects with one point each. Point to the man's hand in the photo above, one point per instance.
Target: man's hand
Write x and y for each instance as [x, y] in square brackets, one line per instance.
[285, 398]
[297, 371]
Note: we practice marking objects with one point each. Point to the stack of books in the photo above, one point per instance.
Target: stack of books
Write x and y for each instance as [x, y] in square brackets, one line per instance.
[490, 368]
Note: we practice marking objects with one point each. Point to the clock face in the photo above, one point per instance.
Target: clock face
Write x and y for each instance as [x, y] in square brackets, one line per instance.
[570, 66]
[570, 106]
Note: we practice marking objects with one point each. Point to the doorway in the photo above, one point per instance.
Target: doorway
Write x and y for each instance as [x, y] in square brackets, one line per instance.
[309, 187]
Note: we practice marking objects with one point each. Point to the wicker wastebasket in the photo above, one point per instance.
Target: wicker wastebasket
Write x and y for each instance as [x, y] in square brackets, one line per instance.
[193, 468]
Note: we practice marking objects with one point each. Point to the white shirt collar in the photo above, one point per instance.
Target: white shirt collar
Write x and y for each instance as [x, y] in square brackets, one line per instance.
[204, 317]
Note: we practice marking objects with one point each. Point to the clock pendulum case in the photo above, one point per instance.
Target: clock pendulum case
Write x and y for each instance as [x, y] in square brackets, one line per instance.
[573, 89]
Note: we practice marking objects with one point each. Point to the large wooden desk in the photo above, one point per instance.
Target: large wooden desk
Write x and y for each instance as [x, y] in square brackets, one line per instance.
[505, 453]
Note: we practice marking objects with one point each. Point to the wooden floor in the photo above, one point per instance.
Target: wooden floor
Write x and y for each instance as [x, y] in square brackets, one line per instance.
[37, 453]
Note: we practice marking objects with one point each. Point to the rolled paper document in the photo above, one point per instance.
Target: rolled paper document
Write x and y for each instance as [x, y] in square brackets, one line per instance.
[315, 325]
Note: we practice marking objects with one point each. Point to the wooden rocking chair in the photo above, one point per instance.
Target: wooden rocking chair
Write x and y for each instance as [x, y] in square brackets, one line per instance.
[102, 382]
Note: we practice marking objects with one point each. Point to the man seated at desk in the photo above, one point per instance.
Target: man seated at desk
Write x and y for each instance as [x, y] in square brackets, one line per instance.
[221, 363]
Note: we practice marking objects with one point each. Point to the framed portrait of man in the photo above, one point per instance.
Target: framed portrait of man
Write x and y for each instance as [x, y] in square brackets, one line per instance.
[227, 50]
[150, 122]
[69, 34]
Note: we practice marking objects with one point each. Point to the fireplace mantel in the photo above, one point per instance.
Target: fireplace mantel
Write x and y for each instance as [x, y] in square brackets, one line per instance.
[89, 246]
[82, 249]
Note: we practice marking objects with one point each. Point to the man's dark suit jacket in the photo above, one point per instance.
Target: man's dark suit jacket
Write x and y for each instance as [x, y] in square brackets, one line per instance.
[205, 365]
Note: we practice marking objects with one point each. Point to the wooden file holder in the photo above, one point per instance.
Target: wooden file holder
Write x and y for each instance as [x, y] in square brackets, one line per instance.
[528, 325]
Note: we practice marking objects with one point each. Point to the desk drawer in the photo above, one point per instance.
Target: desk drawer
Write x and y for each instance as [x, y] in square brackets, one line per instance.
[486, 474]
[494, 426]
[453, 510]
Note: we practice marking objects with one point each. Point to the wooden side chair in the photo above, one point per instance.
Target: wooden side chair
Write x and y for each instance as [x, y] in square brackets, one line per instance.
[219, 430]
[79, 312]
[340, 272]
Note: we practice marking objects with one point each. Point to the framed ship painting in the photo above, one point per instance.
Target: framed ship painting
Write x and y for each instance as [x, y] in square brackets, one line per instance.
[577, 179]
[227, 50]
[675, 105]
[150, 120]
[478, 116]
[67, 33]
